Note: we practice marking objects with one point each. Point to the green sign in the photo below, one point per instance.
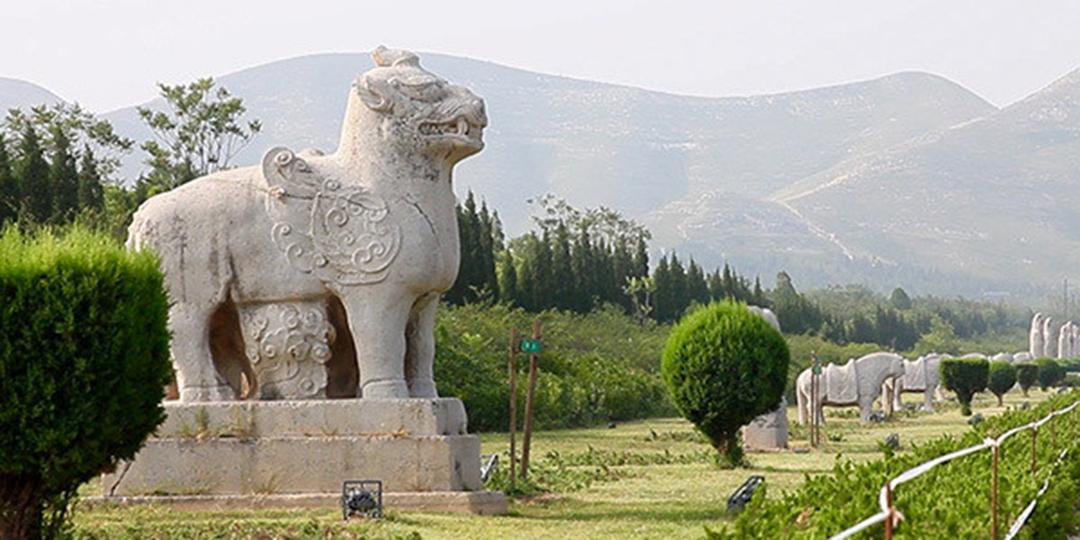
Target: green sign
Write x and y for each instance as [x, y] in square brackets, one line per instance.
[531, 345]
[817, 368]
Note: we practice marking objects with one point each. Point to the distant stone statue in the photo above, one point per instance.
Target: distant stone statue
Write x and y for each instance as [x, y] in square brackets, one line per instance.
[1035, 336]
[770, 430]
[920, 375]
[312, 275]
[858, 382]
[1049, 338]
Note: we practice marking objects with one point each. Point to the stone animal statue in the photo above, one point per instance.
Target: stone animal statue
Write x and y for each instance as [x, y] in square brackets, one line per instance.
[858, 383]
[920, 375]
[1035, 336]
[316, 263]
[1022, 356]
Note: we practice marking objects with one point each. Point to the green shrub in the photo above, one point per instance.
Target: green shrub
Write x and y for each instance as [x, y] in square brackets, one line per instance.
[966, 377]
[1027, 374]
[1002, 378]
[84, 359]
[723, 366]
[595, 368]
[1050, 372]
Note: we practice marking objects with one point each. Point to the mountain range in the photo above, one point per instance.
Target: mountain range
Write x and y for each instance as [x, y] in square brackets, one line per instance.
[907, 179]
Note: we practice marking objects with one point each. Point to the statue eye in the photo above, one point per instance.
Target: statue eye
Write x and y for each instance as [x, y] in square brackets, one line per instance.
[426, 91]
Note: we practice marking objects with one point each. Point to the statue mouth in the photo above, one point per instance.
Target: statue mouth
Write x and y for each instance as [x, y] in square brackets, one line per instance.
[458, 128]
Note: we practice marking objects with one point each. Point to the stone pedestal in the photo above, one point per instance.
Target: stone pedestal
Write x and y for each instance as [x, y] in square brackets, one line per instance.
[303, 450]
[768, 431]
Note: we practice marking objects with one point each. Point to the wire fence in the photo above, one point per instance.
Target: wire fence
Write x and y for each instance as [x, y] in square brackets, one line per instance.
[891, 516]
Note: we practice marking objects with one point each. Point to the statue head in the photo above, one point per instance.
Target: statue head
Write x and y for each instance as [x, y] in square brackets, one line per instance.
[414, 110]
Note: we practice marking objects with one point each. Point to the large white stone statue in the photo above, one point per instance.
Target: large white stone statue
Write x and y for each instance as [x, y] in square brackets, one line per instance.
[317, 276]
[308, 263]
[858, 382]
[1035, 336]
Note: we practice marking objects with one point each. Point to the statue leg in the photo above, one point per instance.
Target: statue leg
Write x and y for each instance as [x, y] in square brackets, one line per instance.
[800, 405]
[928, 398]
[378, 325]
[865, 405]
[196, 377]
[420, 348]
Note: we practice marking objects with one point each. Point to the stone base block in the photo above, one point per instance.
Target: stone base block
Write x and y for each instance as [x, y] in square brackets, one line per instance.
[465, 502]
[307, 448]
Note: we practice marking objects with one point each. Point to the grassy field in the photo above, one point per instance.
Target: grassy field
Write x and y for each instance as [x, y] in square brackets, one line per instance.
[648, 479]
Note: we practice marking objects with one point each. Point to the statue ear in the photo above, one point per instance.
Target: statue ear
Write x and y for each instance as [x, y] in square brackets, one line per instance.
[374, 93]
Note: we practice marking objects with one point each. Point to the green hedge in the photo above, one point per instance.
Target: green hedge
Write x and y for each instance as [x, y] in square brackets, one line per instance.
[84, 358]
[1002, 378]
[966, 377]
[951, 501]
[1027, 374]
[1050, 372]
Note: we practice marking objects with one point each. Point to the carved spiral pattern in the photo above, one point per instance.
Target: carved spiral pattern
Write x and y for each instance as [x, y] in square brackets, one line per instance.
[288, 346]
[341, 234]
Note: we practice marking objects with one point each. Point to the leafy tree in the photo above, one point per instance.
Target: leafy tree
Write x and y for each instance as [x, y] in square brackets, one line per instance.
[724, 366]
[32, 172]
[1027, 374]
[84, 352]
[1050, 372]
[1002, 378]
[966, 377]
[80, 129]
[201, 132]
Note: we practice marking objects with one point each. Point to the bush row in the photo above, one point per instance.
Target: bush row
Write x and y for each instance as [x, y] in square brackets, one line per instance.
[594, 368]
[951, 501]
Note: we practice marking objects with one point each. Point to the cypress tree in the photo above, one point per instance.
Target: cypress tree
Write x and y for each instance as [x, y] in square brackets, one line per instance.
[680, 298]
[91, 192]
[565, 282]
[32, 175]
[663, 303]
[697, 290]
[508, 284]
[640, 265]
[63, 177]
[9, 188]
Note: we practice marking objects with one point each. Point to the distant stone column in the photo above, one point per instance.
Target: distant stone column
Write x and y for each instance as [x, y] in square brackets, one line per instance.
[1049, 338]
[1035, 336]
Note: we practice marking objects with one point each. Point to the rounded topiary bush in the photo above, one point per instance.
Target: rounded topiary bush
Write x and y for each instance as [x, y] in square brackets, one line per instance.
[84, 359]
[966, 377]
[1027, 374]
[724, 366]
[1050, 372]
[1002, 378]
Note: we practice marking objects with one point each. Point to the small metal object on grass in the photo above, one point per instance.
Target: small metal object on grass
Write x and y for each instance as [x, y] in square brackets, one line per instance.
[361, 498]
[737, 501]
[488, 463]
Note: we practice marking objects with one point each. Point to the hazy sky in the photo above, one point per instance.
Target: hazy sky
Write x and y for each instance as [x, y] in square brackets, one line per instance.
[109, 53]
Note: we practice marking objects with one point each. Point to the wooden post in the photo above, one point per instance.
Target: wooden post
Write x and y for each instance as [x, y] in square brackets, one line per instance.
[1034, 436]
[892, 512]
[527, 436]
[994, 492]
[512, 369]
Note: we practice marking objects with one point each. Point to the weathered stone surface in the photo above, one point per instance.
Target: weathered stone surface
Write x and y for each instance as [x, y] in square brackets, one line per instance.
[264, 448]
[370, 227]
[342, 417]
[768, 431]
[1036, 342]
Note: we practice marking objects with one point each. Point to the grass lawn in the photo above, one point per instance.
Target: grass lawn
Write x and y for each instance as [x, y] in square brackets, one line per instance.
[668, 487]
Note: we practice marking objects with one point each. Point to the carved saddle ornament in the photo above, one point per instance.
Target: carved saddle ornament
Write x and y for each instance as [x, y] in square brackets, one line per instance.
[338, 232]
